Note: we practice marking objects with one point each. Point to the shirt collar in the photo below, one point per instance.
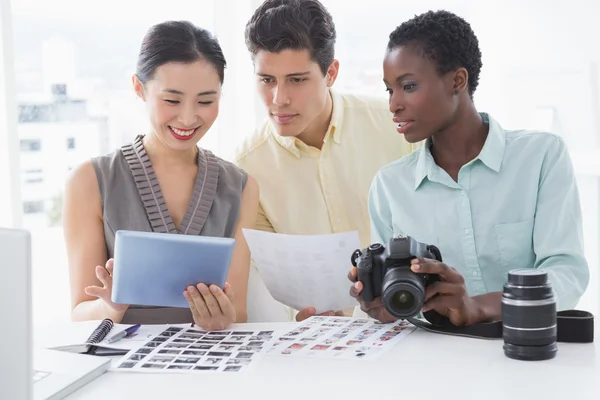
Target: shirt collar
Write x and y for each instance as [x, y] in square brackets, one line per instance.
[295, 146]
[337, 117]
[491, 154]
[425, 164]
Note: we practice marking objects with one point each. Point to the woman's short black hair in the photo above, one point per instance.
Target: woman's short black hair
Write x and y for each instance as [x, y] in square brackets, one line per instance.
[445, 38]
[178, 41]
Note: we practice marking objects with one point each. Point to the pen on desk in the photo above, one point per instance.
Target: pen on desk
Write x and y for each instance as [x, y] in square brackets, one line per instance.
[122, 334]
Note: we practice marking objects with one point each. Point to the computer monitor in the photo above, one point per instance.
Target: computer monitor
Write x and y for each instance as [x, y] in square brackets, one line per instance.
[27, 373]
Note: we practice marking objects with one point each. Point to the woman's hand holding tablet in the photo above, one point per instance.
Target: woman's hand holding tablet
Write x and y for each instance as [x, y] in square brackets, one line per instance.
[211, 307]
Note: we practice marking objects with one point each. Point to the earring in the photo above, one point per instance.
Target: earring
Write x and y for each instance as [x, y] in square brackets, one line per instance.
[456, 92]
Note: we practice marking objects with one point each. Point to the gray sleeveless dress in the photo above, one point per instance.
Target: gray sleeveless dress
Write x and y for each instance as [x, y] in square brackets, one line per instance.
[132, 200]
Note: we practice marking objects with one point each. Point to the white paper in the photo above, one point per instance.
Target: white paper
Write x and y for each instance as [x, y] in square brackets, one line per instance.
[341, 337]
[192, 350]
[303, 271]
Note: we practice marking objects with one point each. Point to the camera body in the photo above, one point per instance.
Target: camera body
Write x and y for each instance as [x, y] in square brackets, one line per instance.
[385, 272]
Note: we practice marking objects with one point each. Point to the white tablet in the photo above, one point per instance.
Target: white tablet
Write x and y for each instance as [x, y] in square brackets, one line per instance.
[153, 269]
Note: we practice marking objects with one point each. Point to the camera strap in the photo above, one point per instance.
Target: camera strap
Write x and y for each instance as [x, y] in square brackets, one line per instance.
[572, 326]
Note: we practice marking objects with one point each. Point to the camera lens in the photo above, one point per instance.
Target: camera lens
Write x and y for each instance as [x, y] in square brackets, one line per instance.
[402, 300]
[529, 316]
[402, 292]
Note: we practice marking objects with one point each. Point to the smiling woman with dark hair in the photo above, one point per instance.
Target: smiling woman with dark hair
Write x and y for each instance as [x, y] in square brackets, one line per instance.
[163, 182]
[490, 199]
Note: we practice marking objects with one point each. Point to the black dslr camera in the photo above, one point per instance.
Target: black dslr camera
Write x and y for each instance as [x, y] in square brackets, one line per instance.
[386, 273]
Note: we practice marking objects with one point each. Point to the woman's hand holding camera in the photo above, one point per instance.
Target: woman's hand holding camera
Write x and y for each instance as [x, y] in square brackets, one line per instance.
[448, 296]
[375, 308]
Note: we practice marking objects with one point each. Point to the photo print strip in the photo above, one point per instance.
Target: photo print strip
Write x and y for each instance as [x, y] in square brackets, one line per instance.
[190, 350]
[340, 337]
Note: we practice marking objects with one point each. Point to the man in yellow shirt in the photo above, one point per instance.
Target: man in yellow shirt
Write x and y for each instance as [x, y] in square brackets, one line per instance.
[315, 155]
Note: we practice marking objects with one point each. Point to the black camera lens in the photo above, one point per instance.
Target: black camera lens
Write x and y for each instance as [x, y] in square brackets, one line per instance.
[402, 293]
[402, 300]
[529, 316]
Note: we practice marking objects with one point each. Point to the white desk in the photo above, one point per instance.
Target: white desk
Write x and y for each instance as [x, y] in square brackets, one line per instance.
[422, 366]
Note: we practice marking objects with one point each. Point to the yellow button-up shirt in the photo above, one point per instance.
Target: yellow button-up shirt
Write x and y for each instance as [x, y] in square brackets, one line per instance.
[304, 190]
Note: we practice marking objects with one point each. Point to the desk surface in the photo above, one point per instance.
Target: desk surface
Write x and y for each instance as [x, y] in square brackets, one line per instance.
[422, 366]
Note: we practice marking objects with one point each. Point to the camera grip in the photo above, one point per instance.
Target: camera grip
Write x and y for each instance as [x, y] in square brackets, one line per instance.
[364, 276]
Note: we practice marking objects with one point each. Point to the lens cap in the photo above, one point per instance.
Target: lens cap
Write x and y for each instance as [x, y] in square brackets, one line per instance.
[527, 277]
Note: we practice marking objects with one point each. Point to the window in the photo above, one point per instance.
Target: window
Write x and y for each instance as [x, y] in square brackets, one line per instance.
[33, 207]
[74, 101]
[31, 176]
[31, 145]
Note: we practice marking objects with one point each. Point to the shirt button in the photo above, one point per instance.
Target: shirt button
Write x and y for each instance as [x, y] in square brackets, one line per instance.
[463, 193]
[467, 231]
[474, 273]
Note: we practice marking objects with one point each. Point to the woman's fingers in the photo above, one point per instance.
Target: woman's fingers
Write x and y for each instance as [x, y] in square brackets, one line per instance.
[103, 276]
[353, 274]
[225, 301]
[212, 308]
[211, 302]
[199, 303]
[95, 291]
[229, 292]
[193, 309]
[110, 265]
[355, 289]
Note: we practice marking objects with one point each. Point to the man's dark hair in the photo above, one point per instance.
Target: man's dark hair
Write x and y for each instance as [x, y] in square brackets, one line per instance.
[178, 41]
[279, 25]
[445, 38]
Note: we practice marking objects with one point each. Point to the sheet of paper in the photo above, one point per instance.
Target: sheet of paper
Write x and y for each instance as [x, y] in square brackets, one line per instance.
[192, 350]
[340, 337]
[303, 271]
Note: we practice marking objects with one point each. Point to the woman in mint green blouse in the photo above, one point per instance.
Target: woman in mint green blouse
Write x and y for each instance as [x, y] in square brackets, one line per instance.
[490, 199]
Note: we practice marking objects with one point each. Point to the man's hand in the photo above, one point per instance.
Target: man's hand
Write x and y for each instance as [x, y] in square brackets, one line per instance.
[310, 311]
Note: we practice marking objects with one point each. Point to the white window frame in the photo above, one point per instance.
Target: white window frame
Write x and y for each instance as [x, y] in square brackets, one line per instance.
[10, 184]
